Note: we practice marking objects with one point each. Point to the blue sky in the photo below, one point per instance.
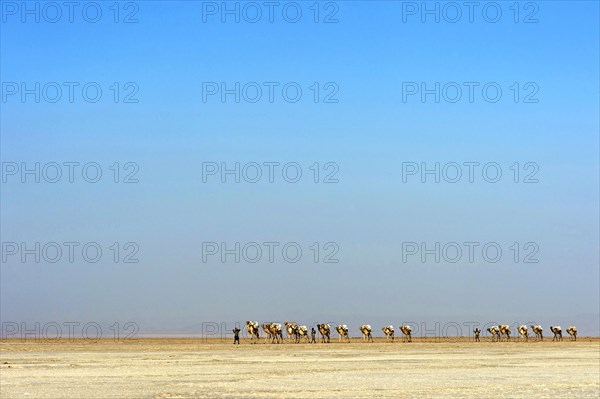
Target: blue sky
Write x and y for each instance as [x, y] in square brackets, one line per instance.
[369, 133]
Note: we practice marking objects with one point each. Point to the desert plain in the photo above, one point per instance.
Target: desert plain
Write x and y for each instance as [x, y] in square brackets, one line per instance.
[214, 368]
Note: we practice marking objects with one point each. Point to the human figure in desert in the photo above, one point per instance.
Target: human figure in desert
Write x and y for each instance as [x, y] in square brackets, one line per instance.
[236, 336]
[477, 333]
[313, 336]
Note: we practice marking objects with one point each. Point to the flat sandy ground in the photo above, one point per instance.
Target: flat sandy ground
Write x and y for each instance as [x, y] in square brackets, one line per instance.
[182, 368]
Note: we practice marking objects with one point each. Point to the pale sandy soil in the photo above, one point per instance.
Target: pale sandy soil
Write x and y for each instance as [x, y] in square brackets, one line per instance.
[182, 368]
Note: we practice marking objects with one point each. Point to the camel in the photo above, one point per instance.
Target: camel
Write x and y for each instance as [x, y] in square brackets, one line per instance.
[389, 332]
[302, 333]
[342, 331]
[572, 331]
[557, 330]
[407, 333]
[538, 331]
[366, 331]
[524, 332]
[252, 327]
[291, 329]
[505, 330]
[325, 332]
[495, 331]
[273, 331]
[267, 330]
[276, 332]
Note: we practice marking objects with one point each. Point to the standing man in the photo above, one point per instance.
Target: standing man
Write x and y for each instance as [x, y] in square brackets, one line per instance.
[236, 336]
[313, 334]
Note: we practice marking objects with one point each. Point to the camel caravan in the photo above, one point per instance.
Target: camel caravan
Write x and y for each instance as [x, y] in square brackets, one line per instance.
[273, 332]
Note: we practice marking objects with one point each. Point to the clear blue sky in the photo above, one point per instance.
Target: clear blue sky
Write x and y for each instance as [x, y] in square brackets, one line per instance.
[369, 132]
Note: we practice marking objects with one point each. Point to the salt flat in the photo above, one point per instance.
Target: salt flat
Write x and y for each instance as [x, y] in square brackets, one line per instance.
[194, 368]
